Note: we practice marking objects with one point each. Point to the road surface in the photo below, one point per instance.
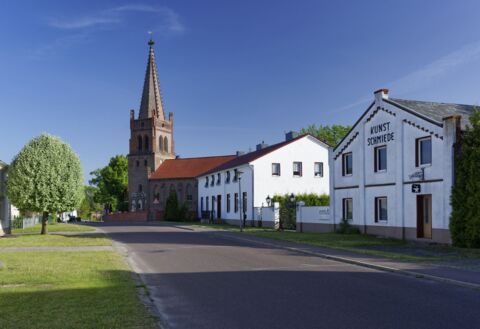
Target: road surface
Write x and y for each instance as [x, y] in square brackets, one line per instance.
[210, 279]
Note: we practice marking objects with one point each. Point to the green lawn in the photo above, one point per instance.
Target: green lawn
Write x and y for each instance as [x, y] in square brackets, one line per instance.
[59, 227]
[363, 244]
[54, 240]
[69, 290]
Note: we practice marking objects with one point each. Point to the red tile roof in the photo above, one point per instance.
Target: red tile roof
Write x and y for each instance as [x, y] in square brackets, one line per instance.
[188, 167]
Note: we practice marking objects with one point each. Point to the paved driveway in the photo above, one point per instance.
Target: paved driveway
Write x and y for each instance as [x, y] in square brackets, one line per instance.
[209, 279]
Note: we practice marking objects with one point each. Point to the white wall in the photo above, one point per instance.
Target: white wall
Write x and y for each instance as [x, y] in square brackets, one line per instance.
[307, 150]
[395, 183]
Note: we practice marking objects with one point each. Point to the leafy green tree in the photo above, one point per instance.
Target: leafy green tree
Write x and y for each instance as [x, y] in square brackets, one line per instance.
[88, 205]
[46, 177]
[332, 135]
[465, 198]
[171, 207]
[111, 184]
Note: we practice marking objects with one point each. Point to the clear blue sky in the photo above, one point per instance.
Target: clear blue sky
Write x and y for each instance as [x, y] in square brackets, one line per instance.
[233, 72]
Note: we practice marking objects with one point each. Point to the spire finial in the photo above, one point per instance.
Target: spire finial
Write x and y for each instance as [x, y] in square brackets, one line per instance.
[151, 42]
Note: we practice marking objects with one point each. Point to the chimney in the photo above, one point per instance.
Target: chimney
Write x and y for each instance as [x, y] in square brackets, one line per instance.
[261, 146]
[291, 135]
[381, 94]
[240, 153]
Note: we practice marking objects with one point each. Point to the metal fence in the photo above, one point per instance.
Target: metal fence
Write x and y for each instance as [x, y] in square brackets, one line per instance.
[23, 223]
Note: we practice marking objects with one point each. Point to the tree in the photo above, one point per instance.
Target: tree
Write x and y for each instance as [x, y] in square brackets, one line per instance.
[332, 135]
[88, 204]
[112, 184]
[465, 198]
[46, 177]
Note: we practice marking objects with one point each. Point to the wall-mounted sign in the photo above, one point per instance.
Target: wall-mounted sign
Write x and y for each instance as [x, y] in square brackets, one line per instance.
[418, 174]
[416, 188]
[382, 134]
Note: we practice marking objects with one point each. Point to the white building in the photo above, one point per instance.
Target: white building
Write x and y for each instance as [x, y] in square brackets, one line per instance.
[393, 172]
[296, 165]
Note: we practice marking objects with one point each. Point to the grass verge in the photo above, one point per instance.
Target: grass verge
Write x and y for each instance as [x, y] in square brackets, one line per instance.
[54, 240]
[69, 290]
[59, 227]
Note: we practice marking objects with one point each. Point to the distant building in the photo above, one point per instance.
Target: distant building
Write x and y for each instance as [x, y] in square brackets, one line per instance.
[151, 138]
[179, 176]
[393, 172]
[297, 165]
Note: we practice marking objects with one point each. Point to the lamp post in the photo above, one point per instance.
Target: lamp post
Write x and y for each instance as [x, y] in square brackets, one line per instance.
[269, 200]
[291, 207]
[240, 206]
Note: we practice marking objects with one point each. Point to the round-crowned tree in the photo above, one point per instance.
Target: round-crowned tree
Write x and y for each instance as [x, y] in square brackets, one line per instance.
[45, 177]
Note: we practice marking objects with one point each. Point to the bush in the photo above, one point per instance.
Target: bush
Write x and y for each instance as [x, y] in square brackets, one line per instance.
[174, 211]
[346, 228]
[465, 198]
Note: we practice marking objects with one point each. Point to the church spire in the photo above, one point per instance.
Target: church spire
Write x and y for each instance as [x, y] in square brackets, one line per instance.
[151, 98]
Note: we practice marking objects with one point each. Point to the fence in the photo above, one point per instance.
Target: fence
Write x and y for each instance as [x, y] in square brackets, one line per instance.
[314, 219]
[22, 223]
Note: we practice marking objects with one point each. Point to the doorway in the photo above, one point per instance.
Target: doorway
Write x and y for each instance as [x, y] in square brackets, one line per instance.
[424, 216]
[219, 206]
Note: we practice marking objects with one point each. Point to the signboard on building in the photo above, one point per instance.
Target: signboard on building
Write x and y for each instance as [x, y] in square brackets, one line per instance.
[416, 188]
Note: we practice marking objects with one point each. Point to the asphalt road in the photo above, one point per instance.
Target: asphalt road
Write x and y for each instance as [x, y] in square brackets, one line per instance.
[207, 279]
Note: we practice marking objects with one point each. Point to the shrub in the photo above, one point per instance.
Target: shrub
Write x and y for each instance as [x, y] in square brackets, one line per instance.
[346, 228]
[175, 211]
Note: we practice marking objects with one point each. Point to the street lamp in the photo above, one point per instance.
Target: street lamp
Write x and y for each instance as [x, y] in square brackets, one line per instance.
[269, 200]
[239, 176]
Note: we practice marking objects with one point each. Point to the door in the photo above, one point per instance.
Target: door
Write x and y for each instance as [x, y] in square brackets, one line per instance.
[424, 216]
[219, 206]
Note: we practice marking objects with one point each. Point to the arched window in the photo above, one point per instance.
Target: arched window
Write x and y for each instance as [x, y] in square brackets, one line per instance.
[146, 143]
[140, 188]
[160, 144]
[156, 194]
[165, 144]
[139, 143]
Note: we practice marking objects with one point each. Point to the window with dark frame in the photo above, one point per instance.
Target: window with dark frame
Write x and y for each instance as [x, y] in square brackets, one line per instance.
[423, 151]
[227, 177]
[235, 202]
[380, 158]
[219, 178]
[381, 209]
[207, 204]
[212, 180]
[318, 169]
[228, 202]
[275, 169]
[244, 202]
[297, 169]
[347, 164]
[235, 175]
[347, 208]
[206, 181]
[201, 204]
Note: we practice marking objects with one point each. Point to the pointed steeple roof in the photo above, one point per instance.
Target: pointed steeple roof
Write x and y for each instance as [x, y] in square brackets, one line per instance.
[151, 97]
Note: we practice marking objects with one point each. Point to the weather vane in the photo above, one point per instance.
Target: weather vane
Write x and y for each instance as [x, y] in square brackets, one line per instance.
[150, 43]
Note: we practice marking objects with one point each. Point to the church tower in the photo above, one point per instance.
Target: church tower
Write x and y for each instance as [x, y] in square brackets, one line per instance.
[151, 137]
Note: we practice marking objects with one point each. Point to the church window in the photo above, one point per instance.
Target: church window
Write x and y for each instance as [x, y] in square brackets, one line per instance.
[146, 143]
[139, 143]
[165, 144]
[160, 143]
[140, 187]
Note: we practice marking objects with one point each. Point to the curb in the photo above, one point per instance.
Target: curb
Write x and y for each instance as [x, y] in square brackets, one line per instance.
[382, 268]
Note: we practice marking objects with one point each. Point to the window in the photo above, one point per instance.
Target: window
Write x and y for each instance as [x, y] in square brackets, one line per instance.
[139, 143]
[347, 164]
[228, 202]
[207, 203]
[380, 154]
[206, 181]
[381, 209]
[145, 163]
[347, 210]
[318, 169]
[160, 144]
[146, 143]
[189, 192]
[165, 144]
[423, 151]
[212, 180]
[201, 204]
[140, 188]
[235, 175]
[235, 202]
[244, 202]
[297, 169]
[275, 169]
[227, 177]
[218, 178]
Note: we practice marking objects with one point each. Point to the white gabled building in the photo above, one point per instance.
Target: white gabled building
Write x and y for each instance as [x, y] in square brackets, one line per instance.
[393, 172]
[297, 165]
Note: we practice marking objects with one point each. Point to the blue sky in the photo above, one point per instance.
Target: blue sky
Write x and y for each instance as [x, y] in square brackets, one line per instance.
[233, 72]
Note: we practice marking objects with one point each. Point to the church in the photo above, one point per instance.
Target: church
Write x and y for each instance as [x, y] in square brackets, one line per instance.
[154, 171]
